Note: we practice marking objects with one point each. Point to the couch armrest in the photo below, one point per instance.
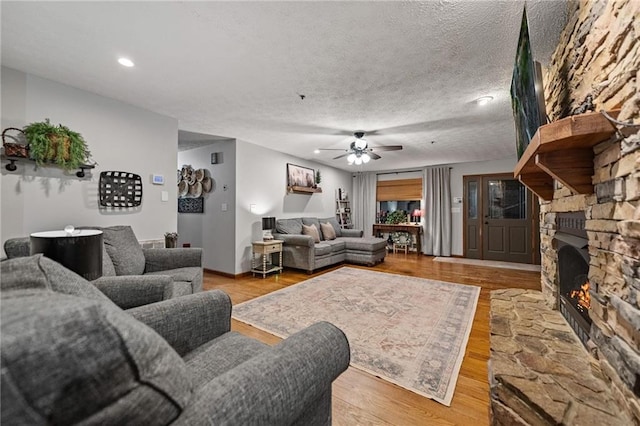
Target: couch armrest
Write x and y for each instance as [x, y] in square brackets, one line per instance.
[295, 239]
[188, 322]
[162, 259]
[276, 386]
[129, 291]
[351, 233]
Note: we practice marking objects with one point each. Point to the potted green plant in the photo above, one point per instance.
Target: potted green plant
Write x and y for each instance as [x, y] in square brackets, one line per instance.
[318, 177]
[395, 217]
[56, 144]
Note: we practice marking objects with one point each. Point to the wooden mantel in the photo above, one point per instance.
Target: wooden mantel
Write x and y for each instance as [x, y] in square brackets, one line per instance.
[563, 150]
[303, 189]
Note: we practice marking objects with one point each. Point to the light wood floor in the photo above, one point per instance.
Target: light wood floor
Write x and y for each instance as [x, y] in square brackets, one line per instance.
[362, 399]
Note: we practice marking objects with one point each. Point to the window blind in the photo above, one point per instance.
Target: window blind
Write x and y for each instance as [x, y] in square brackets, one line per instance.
[399, 190]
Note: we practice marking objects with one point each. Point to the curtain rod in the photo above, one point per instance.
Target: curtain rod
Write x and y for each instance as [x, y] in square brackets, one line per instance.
[395, 173]
[404, 171]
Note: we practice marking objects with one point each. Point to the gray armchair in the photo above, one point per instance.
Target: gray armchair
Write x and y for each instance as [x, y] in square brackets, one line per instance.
[133, 276]
[71, 356]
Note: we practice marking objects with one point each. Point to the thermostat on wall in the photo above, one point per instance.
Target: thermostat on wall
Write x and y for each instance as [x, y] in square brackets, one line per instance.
[157, 179]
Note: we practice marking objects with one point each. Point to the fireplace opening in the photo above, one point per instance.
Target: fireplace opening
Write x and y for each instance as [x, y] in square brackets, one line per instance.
[575, 300]
[574, 297]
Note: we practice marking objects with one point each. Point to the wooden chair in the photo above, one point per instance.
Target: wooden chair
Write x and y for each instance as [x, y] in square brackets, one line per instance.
[401, 241]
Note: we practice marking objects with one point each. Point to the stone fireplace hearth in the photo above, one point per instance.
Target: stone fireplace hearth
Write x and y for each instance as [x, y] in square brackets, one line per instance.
[539, 372]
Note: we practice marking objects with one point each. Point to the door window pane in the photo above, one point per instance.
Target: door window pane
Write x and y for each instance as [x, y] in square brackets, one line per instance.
[507, 199]
[472, 200]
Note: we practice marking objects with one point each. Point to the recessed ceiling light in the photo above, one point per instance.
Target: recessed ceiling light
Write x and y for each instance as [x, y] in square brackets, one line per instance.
[316, 151]
[125, 62]
[484, 100]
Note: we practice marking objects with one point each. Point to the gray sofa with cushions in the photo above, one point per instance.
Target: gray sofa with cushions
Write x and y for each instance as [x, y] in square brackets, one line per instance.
[71, 356]
[132, 275]
[301, 251]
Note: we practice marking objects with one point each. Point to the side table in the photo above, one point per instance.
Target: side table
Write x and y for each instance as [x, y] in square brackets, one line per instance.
[80, 250]
[264, 250]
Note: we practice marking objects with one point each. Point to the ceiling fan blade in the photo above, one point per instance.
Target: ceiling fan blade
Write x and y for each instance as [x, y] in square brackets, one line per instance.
[341, 156]
[374, 156]
[386, 148]
[331, 149]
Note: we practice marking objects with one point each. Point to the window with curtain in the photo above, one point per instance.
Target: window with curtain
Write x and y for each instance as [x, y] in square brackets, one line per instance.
[399, 194]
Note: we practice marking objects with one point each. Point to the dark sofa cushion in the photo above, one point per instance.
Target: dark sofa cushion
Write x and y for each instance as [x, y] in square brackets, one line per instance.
[289, 226]
[124, 250]
[69, 359]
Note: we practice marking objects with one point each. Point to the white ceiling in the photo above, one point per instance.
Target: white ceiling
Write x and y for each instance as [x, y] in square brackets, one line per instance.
[408, 71]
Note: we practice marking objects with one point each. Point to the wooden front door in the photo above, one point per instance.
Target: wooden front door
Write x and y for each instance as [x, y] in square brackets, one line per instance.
[500, 219]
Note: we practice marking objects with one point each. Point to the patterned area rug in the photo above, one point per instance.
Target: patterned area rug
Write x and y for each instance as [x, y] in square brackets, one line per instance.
[410, 331]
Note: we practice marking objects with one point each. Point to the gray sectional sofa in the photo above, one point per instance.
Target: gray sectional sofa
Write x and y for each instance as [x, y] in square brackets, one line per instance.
[300, 251]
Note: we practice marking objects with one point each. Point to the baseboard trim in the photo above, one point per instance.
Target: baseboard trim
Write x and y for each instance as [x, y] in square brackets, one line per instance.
[226, 274]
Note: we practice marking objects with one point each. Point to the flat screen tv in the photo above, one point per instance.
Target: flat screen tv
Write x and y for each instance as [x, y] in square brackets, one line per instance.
[527, 91]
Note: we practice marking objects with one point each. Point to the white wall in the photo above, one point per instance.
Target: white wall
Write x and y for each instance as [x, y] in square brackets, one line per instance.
[261, 179]
[121, 137]
[214, 230]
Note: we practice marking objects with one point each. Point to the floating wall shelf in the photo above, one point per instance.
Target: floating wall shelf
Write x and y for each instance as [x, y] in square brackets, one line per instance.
[563, 150]
[11, 166]
[303, 190]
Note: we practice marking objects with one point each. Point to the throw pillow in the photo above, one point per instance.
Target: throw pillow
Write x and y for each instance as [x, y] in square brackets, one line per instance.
[313, 221]
[41, 273]
[327, 231]
[312, 231]
[124, 250]
[335, 224]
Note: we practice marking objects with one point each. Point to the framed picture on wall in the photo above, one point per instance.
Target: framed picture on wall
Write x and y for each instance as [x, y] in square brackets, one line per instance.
[300, 176]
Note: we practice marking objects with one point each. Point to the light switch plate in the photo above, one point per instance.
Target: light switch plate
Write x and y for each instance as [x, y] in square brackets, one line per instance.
[165, 195]
[224, 207]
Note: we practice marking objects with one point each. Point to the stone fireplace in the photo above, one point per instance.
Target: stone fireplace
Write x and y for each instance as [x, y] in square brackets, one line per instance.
[590, 248]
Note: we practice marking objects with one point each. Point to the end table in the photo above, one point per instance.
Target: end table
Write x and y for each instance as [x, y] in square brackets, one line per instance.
[80, 250]
[265, 250]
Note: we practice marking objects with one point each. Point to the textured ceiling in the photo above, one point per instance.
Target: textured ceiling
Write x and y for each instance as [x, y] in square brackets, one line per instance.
[406, 72]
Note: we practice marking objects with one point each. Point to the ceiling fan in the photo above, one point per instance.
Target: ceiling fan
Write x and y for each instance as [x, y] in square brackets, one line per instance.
[360, 152]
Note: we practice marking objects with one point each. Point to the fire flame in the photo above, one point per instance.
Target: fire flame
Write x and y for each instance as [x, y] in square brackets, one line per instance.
[582, 296]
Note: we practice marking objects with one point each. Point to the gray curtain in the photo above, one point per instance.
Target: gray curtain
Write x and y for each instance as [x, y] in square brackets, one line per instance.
[363, 200]
[437, 211]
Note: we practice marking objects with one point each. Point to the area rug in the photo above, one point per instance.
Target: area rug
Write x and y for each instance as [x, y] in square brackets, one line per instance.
[491, 263]
[410, 331]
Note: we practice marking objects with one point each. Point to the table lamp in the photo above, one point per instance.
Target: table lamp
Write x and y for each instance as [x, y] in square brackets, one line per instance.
[417, 213]
[268, 223]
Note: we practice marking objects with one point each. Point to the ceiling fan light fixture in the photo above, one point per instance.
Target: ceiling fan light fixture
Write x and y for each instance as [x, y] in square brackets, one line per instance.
[358, 161]
[366, 158]
[360, 143]
[351, 158]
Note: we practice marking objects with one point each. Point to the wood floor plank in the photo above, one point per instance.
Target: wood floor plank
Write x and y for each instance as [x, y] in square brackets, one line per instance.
[360, 398]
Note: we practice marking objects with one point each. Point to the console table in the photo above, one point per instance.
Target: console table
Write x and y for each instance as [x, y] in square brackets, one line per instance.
[401, 227]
